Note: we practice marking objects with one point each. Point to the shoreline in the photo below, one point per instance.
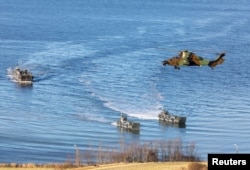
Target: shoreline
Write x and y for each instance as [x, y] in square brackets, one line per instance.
[110, 166]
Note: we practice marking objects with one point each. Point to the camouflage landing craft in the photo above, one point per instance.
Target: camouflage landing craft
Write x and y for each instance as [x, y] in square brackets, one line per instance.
[187, 58]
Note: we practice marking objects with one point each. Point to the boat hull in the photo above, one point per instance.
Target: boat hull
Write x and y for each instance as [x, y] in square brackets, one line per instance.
[124, 123]
[166, 117]
[129, 125]
[23, 77]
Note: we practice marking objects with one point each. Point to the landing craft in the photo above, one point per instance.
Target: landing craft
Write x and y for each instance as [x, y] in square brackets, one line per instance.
[24, 77]
[124, 123]
[167, 117]
[187, 58]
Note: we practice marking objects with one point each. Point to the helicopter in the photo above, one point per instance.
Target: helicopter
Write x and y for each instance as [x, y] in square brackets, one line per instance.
[187, 58]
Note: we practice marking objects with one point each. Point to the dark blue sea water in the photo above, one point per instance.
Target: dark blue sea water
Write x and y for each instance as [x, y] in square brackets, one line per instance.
[94, 59]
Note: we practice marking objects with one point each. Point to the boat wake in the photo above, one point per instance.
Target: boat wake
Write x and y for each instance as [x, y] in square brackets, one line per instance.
[10, 74]
[114, 123]
[123, 104]
[135, 111]
[141, 106]
[92, 118]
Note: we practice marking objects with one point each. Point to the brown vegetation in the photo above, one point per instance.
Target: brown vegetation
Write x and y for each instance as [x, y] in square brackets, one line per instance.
[197, 166]
[114, 166]
[55, 166]
[158, 151]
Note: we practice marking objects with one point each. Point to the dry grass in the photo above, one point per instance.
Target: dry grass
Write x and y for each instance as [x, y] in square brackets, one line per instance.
[14, 166]
[6, 168]
[146, 166]
[115, 166]
[197, 166]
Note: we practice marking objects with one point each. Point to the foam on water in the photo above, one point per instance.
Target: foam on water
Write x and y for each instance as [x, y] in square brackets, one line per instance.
[54, 53]
[114, 123]
[122, 92]
[10, 74]
[133, 111]
[92, 117]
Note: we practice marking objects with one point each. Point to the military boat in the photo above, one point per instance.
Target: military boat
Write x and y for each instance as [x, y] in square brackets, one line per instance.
[23, 76]
[166, 117]
[124, 123]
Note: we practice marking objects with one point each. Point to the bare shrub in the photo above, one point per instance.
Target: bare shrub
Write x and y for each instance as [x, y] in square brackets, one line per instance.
[152, 151]
[152, 156]
[162, 145]
[190, 152]
[177, 150]
[77, 156]
[133, 152]
[196, 166]
[100, 155]
[89, 157]
[117, 156]
[173, 150]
